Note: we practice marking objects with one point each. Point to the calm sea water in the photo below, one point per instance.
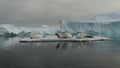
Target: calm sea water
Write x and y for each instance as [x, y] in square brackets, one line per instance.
[95, 54]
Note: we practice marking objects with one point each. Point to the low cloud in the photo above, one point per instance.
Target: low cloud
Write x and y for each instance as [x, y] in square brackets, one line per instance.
[38, 12]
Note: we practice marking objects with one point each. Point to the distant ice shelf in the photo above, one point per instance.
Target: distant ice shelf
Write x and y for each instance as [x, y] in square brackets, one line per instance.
[108, 17]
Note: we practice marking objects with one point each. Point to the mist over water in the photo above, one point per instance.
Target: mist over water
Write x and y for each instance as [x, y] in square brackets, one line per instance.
[94, 54]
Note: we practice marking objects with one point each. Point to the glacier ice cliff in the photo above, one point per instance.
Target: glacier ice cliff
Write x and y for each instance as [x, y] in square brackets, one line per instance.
[11, 30]
[107, 25]
[105, 29]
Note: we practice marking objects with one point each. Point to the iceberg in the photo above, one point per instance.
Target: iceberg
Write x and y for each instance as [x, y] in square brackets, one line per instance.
[105, 29]
[11, 30]
[6, 28]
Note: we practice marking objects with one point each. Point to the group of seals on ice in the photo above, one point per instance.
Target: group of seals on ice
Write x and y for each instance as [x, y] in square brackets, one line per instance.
[64, 35]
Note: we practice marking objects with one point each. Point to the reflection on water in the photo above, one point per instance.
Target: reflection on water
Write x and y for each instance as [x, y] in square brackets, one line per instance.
[67, 45]
[8, 42]
[59, 45]
[95, 54]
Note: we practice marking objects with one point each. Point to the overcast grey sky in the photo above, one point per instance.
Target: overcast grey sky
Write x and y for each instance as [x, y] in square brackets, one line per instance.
[49, 12]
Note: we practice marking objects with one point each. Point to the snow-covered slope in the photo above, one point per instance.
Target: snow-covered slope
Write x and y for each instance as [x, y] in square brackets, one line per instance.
[8, 29]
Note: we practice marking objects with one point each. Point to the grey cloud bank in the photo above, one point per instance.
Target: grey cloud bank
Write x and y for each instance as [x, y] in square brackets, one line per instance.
[38, 12]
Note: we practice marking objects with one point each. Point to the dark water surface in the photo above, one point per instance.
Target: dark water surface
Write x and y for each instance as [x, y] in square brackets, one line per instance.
[95, 54]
